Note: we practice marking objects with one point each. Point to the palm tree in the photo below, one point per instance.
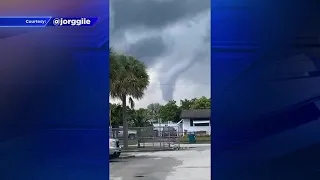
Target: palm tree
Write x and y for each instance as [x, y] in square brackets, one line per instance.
[128, 80]
[114, 64]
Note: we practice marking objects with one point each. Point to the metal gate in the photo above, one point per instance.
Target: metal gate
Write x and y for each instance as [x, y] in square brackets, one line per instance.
[152, 137]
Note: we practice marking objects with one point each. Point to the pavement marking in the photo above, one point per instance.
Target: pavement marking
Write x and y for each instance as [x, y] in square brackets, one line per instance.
[116, 178]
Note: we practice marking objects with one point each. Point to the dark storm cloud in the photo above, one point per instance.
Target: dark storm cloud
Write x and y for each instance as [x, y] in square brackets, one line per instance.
[147, 49]
[153, 13]
[144, 17]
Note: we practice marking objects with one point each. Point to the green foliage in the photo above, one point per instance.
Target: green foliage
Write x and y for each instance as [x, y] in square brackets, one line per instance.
[140, 118]
[116, 115]
[170, 112]
[128, 79]
[116, 111]
[201, 103]
[154, 111]
[114, 66]
[187, 104]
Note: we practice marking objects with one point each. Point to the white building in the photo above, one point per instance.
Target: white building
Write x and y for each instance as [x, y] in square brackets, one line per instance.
[196, 121]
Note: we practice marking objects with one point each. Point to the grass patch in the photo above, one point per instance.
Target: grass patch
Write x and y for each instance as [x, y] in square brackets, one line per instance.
[199, 139]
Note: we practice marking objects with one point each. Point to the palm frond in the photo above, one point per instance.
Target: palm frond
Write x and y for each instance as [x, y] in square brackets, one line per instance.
[128, 77]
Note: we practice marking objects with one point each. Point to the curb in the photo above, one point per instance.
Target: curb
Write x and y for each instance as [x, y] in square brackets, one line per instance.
[147, 150]
[187, 147]
[157, 150]
[125, 157]
[122, 157]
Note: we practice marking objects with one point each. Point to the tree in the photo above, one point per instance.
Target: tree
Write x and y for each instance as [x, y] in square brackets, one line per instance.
[187, 104]
[128, 79]
[115, 110]
[140, 118]
[170, 112]
[201, 103]
[114, 65]
[154, 111]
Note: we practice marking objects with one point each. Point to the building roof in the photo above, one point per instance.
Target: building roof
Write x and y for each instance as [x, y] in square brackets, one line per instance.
[195, 113]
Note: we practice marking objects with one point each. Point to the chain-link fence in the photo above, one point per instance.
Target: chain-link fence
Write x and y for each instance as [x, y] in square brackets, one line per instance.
[150, 137]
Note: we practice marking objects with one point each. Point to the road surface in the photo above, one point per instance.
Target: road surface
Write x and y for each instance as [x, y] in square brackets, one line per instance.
[166, 165]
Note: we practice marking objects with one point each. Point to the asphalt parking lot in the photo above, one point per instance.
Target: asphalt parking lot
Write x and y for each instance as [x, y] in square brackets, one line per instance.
[165, 165]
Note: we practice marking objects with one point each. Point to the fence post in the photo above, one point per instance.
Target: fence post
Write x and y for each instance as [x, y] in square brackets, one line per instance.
[161, 136]
[153, 139]
[179, 136]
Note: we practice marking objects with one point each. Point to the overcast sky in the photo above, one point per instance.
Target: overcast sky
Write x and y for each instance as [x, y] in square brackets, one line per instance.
[172, 37]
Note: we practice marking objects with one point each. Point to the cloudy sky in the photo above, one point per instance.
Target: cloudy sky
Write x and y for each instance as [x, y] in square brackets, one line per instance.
[172, 37]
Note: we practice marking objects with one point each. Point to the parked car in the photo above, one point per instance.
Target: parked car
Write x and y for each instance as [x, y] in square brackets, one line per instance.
[114, 148]
[132, 134]
[169, 131]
